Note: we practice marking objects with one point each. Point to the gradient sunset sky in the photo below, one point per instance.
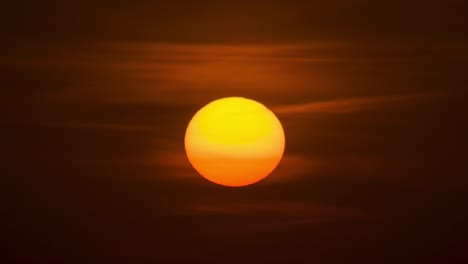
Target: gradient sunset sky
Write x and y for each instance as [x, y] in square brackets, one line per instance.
[96, 97]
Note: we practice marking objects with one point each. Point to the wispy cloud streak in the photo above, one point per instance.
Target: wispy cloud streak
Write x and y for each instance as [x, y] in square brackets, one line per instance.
[350, 105]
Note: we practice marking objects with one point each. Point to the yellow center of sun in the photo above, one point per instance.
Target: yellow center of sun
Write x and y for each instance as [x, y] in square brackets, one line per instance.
[236, 120]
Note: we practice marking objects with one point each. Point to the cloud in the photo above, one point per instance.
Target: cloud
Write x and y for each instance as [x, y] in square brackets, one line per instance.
[245, 218]
[299, 209]
[102, 126]
[350, 105]
[154, 72]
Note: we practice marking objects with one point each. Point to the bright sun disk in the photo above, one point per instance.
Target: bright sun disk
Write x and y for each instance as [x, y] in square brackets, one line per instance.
[234, 141]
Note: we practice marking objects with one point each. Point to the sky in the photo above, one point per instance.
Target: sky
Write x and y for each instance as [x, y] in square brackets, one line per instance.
[96, 97]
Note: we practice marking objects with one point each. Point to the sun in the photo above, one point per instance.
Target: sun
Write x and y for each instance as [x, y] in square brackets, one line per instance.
[234, 141]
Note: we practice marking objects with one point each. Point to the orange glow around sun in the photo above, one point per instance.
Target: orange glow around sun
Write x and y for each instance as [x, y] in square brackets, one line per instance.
[234, 141]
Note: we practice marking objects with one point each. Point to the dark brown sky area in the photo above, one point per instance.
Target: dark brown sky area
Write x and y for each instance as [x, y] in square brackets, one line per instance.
[96, 96]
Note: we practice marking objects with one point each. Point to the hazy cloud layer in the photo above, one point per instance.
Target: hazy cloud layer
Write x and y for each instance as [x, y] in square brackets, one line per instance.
[96, 96]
